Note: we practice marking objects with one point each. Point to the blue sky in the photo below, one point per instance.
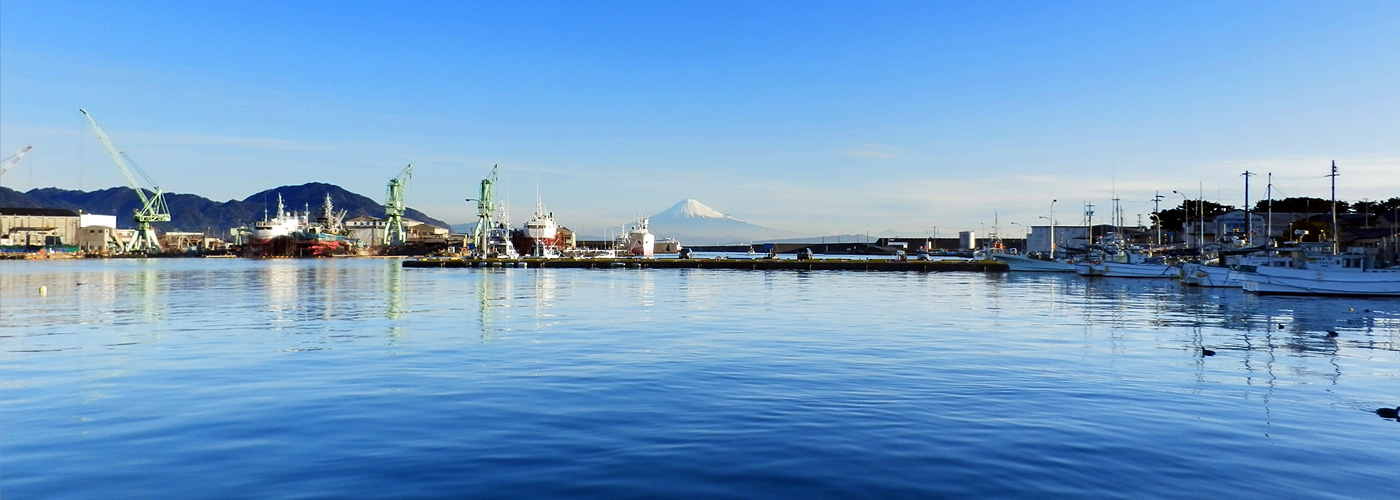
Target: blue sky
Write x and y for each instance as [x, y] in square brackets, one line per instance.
[813, 117]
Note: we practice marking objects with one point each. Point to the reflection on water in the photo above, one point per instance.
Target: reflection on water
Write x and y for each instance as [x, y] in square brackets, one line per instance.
[737, 384]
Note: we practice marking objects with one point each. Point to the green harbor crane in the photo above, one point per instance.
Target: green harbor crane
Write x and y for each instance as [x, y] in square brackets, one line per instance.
[153, 207]
[485, 204]
[394, 234]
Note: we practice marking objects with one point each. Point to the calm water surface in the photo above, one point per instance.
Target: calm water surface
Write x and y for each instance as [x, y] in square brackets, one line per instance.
[224, 378]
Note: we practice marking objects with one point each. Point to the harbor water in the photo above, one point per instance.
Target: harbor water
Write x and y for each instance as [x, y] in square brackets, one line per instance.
[357, 378]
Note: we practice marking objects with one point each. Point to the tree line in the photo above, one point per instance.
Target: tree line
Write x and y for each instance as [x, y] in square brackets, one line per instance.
[1192, 209]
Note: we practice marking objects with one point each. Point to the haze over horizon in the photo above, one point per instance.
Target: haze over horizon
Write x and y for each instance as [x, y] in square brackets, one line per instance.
[817, 119]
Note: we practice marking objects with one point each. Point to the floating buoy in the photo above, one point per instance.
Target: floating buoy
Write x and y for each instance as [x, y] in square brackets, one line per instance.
[1388, 412]
[43, 291]
[1207, 352]
[1331, 333]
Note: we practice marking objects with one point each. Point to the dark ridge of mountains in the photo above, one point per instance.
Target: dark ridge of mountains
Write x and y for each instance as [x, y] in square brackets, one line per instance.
[196, 213]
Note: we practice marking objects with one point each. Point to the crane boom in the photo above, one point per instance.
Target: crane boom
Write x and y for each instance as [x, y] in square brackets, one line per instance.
[153, 208]
[11, 161]
[116, 155]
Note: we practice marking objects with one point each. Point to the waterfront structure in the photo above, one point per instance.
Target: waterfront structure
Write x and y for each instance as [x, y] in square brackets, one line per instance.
[38, 226]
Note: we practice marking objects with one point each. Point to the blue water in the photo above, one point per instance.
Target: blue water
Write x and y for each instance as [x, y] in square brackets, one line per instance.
[355, 378]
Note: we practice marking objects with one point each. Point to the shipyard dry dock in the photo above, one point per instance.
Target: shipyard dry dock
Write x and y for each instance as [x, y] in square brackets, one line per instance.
[922, 266]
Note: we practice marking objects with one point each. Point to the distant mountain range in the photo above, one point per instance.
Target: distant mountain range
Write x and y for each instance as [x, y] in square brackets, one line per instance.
[694, 223]
[196, 213]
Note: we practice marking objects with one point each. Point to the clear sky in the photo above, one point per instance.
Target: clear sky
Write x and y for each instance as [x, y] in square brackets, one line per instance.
[813, 117]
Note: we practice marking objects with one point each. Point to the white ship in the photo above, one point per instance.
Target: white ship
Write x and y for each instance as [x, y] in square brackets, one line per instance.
[542, 233]
[1345, 274]
[284, 224]
[640, 241]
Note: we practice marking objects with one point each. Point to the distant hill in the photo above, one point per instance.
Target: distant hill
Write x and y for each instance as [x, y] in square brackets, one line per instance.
[196, 213]
[694, 223]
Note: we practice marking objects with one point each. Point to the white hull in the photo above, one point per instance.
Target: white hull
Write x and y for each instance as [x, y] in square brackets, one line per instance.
[1022, 263]
[1281, 280]
[641, 244]
[1209, 276]
[1123, 270]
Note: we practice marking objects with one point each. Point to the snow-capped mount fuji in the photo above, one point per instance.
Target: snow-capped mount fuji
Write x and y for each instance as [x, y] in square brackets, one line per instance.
[690, 208]
[694, 223]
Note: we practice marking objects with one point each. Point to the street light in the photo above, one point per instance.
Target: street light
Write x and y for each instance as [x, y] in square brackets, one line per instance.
[1158, 223]
[1200, 217]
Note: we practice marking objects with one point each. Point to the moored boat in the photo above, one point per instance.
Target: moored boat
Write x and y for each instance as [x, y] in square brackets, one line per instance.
[1025, 263]
[1344, 274]
[640, 242]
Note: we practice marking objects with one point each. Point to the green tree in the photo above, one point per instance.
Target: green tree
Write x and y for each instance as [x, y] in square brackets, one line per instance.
[1302, 205]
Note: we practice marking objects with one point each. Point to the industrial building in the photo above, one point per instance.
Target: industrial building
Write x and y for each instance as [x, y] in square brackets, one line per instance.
[38, 227]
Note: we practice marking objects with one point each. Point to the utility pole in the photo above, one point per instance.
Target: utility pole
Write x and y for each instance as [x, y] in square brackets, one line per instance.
[1334, 206]
[1089, 216]
[1248, 221]
[1157, 214]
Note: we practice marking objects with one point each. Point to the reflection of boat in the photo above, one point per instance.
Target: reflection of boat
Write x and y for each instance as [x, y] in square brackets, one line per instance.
[640, 241]
[1026, 263]
[1345, 274]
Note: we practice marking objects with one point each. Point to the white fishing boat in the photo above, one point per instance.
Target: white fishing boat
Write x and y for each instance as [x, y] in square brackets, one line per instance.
[1344, 274]
[284, 224]
[1115, 259]
[639, 240]
[1026, 263]
[1229, 273]
[542, 233]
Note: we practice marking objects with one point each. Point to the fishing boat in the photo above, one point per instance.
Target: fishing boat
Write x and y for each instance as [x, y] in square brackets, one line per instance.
[284, 224]
[639, 240]
[1341, 274]
[540, 237]
[1026, 263]
[1115, 259]
[290, 234]
[1227, 270]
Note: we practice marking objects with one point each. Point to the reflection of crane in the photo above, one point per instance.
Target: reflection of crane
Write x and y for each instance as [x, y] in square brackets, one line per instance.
[394, 234]
[153, 207]
[484, 205]
[12, 160]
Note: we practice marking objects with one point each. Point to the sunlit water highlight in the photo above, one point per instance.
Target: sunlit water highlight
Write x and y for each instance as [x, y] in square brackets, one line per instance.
[204, 378]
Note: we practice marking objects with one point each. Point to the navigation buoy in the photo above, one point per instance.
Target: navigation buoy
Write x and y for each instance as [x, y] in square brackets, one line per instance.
[1388, 412]
[1331, 333]
[1207, 352]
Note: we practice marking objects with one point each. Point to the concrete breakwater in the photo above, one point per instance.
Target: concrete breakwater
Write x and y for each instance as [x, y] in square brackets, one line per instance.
[744, 264]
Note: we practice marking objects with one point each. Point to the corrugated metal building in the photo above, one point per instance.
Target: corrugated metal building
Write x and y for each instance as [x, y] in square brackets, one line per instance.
[38, 226]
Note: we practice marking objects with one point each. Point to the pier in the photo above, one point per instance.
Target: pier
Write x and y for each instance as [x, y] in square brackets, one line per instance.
[758, 264]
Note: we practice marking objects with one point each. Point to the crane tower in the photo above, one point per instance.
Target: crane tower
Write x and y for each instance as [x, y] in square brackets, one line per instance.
[485, 204]
[153, 207]
[394, 234]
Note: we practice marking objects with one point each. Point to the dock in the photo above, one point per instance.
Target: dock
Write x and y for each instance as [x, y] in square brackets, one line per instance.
[756, 264]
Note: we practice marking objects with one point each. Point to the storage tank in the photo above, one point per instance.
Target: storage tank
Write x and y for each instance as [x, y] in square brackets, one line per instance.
[967, 240]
